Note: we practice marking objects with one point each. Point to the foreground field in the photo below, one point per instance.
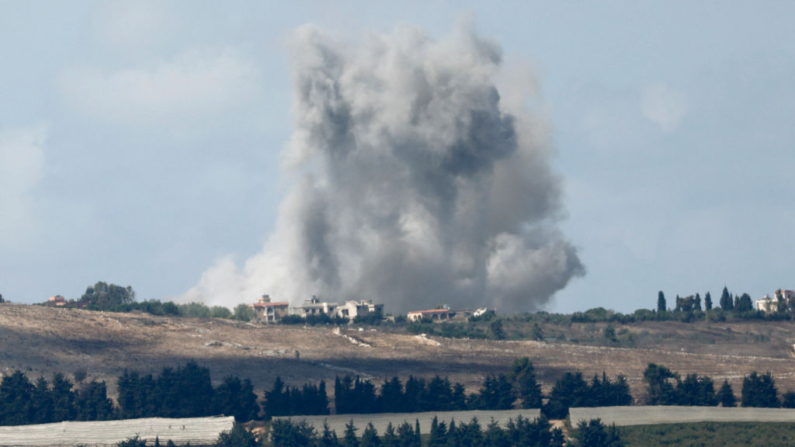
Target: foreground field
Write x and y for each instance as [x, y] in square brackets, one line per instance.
[41, 340]
[711, 434]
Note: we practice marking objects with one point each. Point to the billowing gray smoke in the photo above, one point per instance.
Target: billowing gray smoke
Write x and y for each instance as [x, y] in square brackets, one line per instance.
[416, 185]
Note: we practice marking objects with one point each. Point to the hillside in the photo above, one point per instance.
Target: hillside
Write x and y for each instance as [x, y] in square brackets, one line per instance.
[41, 340]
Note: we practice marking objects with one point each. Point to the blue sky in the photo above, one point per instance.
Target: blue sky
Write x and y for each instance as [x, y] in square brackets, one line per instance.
[140, 141]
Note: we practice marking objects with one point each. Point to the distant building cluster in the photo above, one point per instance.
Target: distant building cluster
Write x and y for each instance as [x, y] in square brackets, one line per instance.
[272, 312]
[781, 300]
[269, 311]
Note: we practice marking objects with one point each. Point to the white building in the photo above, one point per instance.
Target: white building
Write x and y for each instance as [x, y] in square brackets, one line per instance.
[314, 306]
[767, 304]
[353, 309]
[772, 304]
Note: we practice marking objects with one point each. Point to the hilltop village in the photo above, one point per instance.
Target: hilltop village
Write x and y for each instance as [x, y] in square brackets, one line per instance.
[268, 311]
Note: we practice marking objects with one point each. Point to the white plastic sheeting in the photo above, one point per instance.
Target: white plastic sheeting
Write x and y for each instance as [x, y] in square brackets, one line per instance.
[651, 415]
[197, 431]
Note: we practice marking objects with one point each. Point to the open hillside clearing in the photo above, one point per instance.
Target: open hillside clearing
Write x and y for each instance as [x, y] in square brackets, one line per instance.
[42, 341]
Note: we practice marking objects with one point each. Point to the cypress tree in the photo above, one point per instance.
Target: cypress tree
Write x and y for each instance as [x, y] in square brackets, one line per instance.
[41, 400]
[350, 439]
[370, 437]
[726, 395]
[390, 437]
[708, 302]
[661, 305]
[63, 399]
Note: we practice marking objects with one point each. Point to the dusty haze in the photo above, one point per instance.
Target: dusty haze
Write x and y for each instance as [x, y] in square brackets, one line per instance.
[416, 182]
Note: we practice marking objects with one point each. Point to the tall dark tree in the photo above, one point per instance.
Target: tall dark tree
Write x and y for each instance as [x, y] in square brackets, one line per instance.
[726, 300]
[328, 438]
[570, 391]
[277, 400]
[63, 399]
[707, 302]
[16, 393]
[661, 305]
[697, 302]
[350, 439]
[42, 402]
[523, 373]
[596, 434]
[370, 437]
[236, 398]
[726, 395]
[744, 303]
[660, 390]
[390, 437]
[438, 435]
[390, 400]
[759, 390]
[93, 404]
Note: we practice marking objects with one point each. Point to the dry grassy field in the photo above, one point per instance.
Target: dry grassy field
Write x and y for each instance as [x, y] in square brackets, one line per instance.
[42, 341]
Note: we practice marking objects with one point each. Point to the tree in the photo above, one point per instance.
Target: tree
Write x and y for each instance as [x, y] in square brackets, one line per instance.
[1, 299]
[277, 401]
[328, 438]
[609, 333]
[63, 399]
[105, 296]
[788, 400]
[370, 437]
[236, 398]
[708, 302]
[350, 439]
[237, 437]
[744, 303]
[570, 391]
[523, 374]
[92, 403]
[726, 301]
[595, 434]
[16, 393]
[659, 390]
[697, 302]
[405, 435]
[289, 434]
[759, 391]
[390, 437]
[661, 306]
[243, 312]
[391, 397]
[726, 395]
[438, 435]
[495, 330]
[536, 333]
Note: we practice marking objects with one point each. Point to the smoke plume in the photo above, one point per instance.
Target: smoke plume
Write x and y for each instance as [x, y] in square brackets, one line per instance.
[414, 183]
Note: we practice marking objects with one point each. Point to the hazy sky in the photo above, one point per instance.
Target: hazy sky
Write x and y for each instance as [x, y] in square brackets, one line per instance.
[140, 141]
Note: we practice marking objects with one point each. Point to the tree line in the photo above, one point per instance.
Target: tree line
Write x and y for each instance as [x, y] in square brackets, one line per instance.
[665, 387]
[497, 392]
[519, 432]
[176, 393]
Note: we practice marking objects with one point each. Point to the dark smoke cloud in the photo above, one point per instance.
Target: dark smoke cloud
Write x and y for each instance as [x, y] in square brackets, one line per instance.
[416, 184]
